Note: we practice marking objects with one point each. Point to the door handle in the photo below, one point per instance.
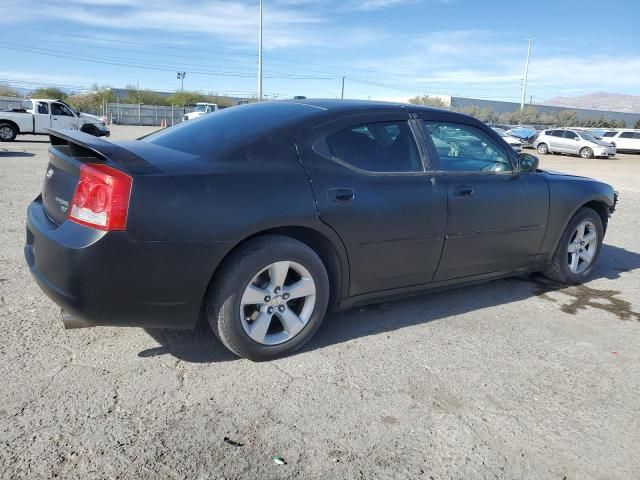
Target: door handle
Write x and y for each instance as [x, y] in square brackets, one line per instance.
[340, 194]
[464, 191]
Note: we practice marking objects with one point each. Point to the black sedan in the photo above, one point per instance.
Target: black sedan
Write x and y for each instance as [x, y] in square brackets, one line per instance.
[265, 215]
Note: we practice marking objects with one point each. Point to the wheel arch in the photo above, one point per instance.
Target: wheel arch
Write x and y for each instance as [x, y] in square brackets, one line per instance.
[12, 123]
[330, 250]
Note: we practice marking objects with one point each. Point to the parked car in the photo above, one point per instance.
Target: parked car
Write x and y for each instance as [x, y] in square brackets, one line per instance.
[264, 216]
[527, 135]
[202, 108]
[572, 141]
[514, 142]
[40, 114]
[627, 140]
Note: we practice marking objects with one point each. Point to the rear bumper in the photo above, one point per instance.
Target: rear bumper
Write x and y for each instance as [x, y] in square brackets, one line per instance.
[109, 278]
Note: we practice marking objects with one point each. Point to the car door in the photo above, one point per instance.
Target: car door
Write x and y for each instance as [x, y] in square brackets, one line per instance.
[496, 216]
[625, 141]
[62, 117]
[41, 117]
[373, 185]
[557, 141]
[571, 142]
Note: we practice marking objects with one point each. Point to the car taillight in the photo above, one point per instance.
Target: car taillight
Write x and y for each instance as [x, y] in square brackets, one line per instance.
[101, 199]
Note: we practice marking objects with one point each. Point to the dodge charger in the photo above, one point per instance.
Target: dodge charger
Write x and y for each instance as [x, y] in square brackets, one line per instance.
[265, 216]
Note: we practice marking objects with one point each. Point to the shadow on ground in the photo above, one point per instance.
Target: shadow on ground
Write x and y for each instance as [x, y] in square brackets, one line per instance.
[8, 153]
[201, 346]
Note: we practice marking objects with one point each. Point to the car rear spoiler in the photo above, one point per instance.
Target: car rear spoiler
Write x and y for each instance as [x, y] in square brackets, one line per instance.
[82, 144]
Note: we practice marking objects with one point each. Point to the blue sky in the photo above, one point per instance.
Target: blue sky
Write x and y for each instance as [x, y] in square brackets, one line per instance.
[386, 49]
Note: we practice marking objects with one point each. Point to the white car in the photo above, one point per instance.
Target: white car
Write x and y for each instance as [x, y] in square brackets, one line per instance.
[572, 141]
[40, 114]
[202, 108]
[628, 140]
[515, 142]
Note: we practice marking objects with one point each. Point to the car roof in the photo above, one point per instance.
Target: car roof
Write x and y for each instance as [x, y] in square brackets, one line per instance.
[336, 104]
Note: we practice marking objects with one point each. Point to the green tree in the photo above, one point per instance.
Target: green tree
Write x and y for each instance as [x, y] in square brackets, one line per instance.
[49, 92]
[428, 101]
[637, 125]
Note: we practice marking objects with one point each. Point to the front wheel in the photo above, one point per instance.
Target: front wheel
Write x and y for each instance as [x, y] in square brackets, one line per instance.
[269, 298]
[578, 248]
[586, 152]
[8, 132]
[543, 149]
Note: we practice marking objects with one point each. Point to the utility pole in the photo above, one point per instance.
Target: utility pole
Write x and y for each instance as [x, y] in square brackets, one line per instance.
[342, 94]
[260, 57]
[180, 76]
[526, 74]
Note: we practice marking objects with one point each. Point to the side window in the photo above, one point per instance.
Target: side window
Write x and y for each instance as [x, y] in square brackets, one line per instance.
[376, 147]
[609, 134]
[637, 135]
[627, 135]
[570, 135]
[60, 109]
[556, 133]
[43, 108]
[463, 148]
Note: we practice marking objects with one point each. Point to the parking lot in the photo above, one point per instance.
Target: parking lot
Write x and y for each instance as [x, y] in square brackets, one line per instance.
[516, 378]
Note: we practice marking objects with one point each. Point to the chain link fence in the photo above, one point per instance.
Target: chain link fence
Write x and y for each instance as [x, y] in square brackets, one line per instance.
[7, 103]
[149, 115]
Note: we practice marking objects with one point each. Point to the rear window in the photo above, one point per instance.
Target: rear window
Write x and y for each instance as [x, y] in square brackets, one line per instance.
[221, 129]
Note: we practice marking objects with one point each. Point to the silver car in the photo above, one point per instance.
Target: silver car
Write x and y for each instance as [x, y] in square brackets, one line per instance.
[575, 142]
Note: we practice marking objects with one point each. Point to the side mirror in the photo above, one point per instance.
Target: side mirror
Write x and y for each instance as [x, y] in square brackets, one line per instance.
[527, 162]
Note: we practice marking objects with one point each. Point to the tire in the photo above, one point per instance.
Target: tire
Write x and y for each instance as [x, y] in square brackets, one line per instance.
[255, 329]
[8, 132]
[586, 152]
[543, 149]
[560, 267]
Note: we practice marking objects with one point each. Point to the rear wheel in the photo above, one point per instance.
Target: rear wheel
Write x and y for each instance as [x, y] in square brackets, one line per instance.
[578, 249]
[269, 298]
[8, 132]
[543, 149]
[586, 152]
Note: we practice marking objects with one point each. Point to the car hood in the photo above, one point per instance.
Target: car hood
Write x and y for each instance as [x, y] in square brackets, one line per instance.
[90, 118]
[191, 115]
[602, 143]
[555, 173]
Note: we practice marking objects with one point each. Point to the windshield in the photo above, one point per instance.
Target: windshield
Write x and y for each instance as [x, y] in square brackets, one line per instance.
[201, 108]
[71, 108]
[586, 136]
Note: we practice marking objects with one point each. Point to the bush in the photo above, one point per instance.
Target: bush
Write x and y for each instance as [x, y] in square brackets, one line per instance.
[49, 92]
[428, 101]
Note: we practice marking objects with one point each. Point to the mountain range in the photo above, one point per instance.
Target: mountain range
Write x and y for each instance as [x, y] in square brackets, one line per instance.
[616, 102]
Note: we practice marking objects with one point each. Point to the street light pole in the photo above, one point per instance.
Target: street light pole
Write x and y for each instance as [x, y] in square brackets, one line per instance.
[342, 94]
[526, 74]
[260, 56]
[181, 76]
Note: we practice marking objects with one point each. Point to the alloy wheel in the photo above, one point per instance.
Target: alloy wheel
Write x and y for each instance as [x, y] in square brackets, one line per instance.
[582, 247]
[277, 303]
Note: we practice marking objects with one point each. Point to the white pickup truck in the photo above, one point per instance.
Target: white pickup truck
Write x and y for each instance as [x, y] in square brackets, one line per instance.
[202, 108]
[39, 114]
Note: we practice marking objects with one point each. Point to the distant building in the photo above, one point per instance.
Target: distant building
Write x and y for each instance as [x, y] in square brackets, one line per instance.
[500, 107]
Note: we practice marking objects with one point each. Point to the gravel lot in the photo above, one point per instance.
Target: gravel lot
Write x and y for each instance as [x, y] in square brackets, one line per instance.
[511, 379]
